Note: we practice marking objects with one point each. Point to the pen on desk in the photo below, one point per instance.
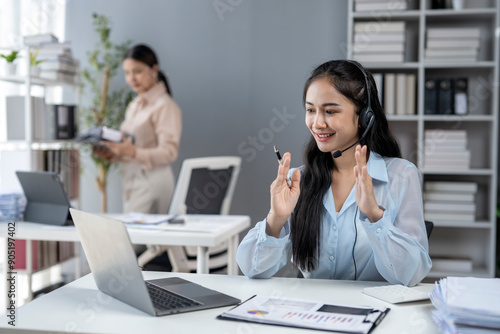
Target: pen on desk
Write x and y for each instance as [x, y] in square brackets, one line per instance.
[280, 161]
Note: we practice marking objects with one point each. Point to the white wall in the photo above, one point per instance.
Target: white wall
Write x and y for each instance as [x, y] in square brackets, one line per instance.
[231, 72]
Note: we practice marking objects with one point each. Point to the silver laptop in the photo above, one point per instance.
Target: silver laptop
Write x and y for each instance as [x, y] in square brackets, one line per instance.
[111, 257]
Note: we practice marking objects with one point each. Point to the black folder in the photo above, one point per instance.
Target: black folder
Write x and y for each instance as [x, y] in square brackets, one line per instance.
[65, 116]
[445, 97]
[431, 96]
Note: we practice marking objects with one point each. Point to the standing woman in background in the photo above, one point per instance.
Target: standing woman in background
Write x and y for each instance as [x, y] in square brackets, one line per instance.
[155, 121]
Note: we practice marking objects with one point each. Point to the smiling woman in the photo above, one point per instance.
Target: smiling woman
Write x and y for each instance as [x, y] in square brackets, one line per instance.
[357, 215]
[330, 116]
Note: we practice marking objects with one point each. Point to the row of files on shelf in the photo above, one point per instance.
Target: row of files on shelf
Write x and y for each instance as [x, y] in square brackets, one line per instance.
[381, 41]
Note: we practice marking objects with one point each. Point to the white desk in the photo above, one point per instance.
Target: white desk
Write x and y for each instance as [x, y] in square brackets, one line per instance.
[225, 228]
[80, 307]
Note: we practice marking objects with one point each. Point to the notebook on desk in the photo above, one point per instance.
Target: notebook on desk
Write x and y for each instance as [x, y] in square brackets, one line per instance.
[47, 201]
[111, 257]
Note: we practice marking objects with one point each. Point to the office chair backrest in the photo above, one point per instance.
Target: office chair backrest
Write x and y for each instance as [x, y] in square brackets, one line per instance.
[205, 185]
[428, 227]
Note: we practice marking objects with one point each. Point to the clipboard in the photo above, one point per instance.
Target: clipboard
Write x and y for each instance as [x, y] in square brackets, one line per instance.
[307, 314]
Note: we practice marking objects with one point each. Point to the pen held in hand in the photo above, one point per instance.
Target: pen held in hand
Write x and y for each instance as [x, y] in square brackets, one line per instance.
[280, 161]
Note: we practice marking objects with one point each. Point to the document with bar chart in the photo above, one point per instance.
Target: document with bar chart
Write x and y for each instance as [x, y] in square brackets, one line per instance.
[306, 314]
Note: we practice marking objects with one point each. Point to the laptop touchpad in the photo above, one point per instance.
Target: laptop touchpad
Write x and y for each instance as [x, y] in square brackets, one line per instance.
[183, 287]
[191, 290]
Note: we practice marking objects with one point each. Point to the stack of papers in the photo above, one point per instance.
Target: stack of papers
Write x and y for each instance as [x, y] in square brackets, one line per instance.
[12, 207]
[467, 305]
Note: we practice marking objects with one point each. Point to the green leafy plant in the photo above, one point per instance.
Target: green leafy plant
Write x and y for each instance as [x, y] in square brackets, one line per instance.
[107, 107]
[33, 60]
[11, 56]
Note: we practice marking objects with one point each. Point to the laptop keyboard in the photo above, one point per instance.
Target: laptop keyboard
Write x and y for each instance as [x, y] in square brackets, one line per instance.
[165, 300]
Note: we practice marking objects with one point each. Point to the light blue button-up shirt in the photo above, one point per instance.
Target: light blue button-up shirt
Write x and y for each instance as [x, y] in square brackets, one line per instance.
[394, 248]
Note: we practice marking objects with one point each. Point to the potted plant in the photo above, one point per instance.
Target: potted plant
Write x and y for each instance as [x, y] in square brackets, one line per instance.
[10, 67]
[34, 69]
[107, 107]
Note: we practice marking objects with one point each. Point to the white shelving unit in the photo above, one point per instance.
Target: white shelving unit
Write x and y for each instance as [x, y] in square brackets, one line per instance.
[475, 239]
[26, 147]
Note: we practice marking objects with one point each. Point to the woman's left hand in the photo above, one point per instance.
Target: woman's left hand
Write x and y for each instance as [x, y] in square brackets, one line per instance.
[121, 150]
[365, 197]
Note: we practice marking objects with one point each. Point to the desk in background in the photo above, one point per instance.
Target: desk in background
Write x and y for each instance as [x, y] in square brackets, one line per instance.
[80, 307]
[228, 228]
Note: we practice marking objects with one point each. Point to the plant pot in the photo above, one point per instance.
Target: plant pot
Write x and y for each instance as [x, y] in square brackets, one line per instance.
[10, 69]
[35, 71]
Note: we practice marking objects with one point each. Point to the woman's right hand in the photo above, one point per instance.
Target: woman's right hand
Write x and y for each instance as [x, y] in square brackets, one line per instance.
[283, 198]
[102, 152]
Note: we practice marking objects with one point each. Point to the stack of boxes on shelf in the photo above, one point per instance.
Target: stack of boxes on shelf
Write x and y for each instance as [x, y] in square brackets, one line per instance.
[446, 150]
[379, 41]
[452, 203]
[452, 43]
[58, 62]
[446, 201]
[379, 5]
[452, 263]
[397, 92]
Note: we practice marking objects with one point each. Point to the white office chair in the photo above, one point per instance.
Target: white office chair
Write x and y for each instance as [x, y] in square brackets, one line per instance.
[205, 186]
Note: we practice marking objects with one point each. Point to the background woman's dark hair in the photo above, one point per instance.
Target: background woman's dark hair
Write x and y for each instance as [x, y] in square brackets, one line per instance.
[316, 177]
[146, 55]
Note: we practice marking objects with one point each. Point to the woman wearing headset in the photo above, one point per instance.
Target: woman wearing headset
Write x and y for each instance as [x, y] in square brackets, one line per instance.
[350, 214]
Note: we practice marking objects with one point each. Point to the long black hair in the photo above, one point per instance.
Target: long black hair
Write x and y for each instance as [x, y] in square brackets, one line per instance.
[317, 175]
[146, 55]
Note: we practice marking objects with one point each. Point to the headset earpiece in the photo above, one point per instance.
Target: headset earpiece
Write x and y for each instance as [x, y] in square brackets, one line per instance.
[365, 117]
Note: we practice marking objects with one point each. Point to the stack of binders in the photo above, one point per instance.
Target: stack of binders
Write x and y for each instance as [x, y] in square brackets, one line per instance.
[380, 5]
[376, 41]
[446, 96]
[57, 58]
[446, 150]
[49, 122]
[450, 201]
[453, 43]
[397, 92]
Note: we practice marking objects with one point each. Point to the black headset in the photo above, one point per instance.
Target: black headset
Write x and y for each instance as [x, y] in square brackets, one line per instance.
[366, 117]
